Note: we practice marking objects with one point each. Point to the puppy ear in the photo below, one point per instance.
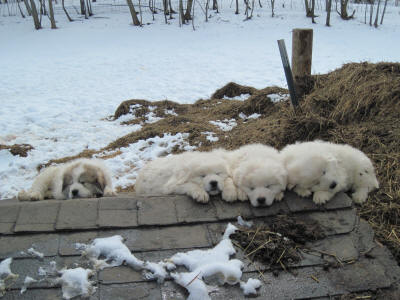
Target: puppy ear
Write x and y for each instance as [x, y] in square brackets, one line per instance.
[67, 180]
[100, 179]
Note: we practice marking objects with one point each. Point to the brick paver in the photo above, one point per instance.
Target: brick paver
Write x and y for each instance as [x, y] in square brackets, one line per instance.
[77, 214]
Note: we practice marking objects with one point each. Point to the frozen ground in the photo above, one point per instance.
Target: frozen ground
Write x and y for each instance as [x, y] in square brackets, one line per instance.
[57, 86]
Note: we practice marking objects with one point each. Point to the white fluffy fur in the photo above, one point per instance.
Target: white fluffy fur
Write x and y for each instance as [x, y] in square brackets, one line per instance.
[258, 173]
[196, 174]
[81, 178]
[325, 168]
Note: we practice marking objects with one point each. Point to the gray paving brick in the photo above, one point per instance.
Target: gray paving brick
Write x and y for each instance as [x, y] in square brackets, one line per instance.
[117, 218]
[174, 237]
[172, 291]
[130, 291]
[13, 245]
[6, 228]
[231, 210]
[215, 232]
[68, 241]
[265, 211]
[190, 211]
[77, 214]
[40, 212]
[122, 274]
[157, 211]
[334, 222]
[9, 212]
[37, 216]
[116, 203]
[48, 294]
[297, 203]
[342, 246]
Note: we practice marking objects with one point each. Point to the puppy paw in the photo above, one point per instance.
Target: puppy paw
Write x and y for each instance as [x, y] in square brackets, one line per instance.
[109, 192]
[241, 195]
[359, 197]
[29, 196]
[23, 196]
[229, 194]
[302, 192]
[290, 186]
[321, 197]
[279, 196]
[200, 196]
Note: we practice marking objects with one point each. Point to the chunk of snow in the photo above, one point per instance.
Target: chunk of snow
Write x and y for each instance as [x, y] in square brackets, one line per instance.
[170, 112]
[250, 287]
[75, 282]
[210, 136]
[277, 97]
[27, 282]
[5, 274]
[225, 125]
[252, 116]
[35, 253]
[151, 117]
[241, 97]
[242, 222]
[210, 263]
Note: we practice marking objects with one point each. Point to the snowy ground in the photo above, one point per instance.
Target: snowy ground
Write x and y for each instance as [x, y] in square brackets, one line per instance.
[57, 86]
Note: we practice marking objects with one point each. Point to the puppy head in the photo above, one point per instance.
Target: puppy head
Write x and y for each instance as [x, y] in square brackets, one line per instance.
[83, 180]
[326, 175]
[365, 176]
[210, 175]
[261, 180]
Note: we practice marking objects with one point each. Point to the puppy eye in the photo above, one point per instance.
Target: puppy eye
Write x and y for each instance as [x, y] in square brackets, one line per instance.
[324, 172]
[203, 176]
[267, 186]
[252, 189]
[219, 173]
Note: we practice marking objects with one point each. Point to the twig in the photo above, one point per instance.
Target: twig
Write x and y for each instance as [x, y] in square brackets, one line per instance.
[193, 279]
[314, 278]
[258, 248]
[258, 228]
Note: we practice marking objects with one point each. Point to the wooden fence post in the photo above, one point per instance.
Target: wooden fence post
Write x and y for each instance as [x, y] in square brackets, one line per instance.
[302, 40]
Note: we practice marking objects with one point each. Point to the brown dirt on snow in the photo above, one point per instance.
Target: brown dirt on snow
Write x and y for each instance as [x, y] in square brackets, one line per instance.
[18, 149]
[357, 104]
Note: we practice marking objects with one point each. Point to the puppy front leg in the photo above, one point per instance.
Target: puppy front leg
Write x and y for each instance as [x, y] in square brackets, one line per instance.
[321, 197]
[193, 190]
[302, 192]
[360, 195]
[229, 193]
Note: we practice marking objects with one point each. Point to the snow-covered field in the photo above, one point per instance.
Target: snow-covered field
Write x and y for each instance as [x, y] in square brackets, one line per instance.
[58, 86]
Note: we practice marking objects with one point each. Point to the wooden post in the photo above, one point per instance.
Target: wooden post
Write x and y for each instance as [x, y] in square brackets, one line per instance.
[302, 40]
[288, 72]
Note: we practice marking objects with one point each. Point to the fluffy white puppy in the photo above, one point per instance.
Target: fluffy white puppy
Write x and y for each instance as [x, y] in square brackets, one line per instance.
[81, 178]
[196, 174]
[324, 169]
[360, 172]
[258, 173]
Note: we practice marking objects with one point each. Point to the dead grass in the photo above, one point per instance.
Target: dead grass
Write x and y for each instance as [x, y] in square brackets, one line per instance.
[358, 104]
[18, 149]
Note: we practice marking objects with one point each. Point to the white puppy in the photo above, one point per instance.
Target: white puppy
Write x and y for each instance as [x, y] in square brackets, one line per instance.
[258, 173]
[196, 174]
[81, 178]
[325, 169]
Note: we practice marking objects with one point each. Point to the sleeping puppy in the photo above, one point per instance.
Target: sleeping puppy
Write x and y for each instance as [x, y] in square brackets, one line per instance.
[325, 168]
[258, 173]
[81, 178]
[196, 174]
[360, 172]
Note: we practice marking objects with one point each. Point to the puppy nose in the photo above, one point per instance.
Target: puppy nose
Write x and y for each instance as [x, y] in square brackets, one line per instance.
[98, 195]
[333, 185]
[261, 200]
[213, 183]
[75, 193]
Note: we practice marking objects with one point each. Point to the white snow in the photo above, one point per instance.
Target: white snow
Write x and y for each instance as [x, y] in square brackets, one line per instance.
[5, 274]
[35, 253]
[242, 222]
[170, 112]
[278, 97]
[210, 136]
[75, 282]
[252, 116]
[250, 287]
[27, 282]
[225, 125]
[241, 97]
[59, 86]
[210, 263]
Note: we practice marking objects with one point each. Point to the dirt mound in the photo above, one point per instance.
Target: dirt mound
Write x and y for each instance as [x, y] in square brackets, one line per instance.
[18, 149]
[275, 242]
[357, 104]
[232, 90]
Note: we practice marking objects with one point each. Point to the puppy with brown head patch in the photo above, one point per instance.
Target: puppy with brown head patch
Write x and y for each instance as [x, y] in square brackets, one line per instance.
[81, 178]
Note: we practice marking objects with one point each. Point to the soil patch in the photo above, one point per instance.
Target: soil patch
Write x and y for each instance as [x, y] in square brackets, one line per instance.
[275, 242]
[18, 149]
